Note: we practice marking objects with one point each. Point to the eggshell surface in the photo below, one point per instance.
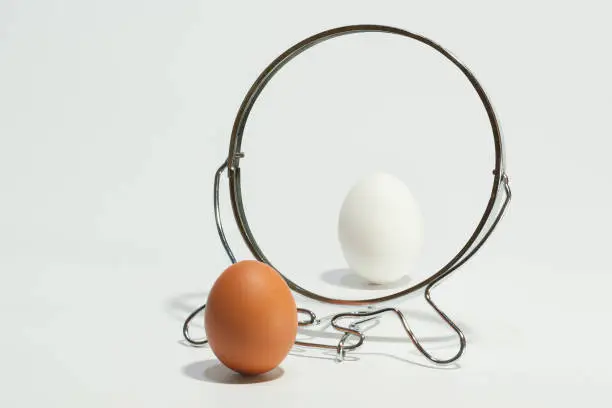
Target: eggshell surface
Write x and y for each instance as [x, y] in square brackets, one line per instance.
[380, 228]
[250, 318]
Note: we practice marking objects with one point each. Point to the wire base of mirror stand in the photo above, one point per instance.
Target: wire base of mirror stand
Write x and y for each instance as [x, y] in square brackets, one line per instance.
[352, 335]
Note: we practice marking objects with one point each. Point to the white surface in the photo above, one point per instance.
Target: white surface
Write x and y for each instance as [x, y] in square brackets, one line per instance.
[380, 229]
[114, 116]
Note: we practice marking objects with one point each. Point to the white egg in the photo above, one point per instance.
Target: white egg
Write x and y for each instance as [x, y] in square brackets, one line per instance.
[380, 229]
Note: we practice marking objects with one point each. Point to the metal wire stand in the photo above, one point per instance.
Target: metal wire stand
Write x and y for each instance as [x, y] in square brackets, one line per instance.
[352, 335]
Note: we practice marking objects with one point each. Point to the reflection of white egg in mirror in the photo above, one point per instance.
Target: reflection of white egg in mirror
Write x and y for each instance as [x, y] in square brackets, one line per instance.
[380, 229]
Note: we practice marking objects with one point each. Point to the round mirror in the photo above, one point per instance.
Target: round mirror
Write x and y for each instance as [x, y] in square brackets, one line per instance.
[381, 100]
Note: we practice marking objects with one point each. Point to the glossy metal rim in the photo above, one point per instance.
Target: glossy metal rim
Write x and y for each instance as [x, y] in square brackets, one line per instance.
[235, 154]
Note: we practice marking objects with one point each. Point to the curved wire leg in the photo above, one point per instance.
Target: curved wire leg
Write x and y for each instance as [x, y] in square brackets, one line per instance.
[449, 322]
[186, 335]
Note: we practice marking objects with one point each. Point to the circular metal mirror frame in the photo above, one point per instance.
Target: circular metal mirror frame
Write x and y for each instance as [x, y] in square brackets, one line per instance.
[484, 227]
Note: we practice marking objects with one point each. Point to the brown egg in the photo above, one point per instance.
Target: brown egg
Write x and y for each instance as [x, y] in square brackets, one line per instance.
[250, 318]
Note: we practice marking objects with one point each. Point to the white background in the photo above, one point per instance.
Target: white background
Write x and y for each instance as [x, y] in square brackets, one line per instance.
[114, 116]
